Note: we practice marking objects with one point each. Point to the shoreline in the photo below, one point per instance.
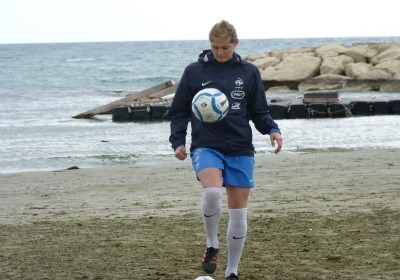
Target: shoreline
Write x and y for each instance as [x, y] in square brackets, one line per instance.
[32, 196]
[172, 160]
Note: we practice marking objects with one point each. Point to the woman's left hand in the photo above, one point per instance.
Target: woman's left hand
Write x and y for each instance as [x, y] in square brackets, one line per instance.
[276, 137]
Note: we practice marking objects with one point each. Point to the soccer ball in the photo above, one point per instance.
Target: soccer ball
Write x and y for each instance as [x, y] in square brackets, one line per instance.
[210, 105]
[204, 278]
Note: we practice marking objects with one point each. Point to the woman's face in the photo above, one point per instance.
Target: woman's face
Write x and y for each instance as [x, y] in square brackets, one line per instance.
[223, 49]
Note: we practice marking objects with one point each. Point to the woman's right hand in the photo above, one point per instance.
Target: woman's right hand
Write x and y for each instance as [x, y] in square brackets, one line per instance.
[180, 153]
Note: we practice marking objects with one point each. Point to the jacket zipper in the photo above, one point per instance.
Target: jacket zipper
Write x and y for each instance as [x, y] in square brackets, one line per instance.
[224, 91]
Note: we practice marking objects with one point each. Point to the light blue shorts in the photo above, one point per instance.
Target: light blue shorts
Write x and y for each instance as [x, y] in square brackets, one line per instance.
[236, 170]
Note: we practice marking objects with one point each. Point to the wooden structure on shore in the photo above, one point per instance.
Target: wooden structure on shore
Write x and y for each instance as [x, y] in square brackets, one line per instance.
[154, 104]
[148, 97]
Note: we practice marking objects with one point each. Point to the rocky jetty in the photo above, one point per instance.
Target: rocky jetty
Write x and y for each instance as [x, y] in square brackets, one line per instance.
[331, 66]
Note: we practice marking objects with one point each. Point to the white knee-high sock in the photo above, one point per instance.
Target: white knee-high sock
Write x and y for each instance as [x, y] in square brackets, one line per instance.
[236, 235]
[211, 209]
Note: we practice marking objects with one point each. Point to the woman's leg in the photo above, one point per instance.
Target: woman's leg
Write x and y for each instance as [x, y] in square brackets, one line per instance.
[211, 210]
[237, 226]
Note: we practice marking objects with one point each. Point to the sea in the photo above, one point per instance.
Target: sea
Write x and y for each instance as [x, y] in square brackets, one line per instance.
[42, 86]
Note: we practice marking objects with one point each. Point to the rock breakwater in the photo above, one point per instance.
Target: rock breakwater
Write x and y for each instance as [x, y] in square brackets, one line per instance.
[331, 66]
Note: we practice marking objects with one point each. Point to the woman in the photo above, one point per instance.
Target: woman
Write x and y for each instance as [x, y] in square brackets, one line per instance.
[222, 153]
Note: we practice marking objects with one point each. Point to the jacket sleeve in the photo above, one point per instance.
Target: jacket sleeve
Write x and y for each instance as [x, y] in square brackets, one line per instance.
[180, 112]
[259, 109]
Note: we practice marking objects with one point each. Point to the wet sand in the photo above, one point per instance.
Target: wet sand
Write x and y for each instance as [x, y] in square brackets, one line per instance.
[331, 215]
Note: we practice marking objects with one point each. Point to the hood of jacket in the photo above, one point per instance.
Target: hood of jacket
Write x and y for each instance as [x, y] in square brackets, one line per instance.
[207, 57]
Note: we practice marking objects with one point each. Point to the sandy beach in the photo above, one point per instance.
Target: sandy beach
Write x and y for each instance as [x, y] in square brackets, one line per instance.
[330, 215]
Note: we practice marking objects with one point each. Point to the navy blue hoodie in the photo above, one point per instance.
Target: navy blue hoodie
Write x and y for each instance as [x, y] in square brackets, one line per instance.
[242, 84]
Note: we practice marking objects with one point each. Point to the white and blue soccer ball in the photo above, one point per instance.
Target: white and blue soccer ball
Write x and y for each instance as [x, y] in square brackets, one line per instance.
[204, 278]
[210, 105]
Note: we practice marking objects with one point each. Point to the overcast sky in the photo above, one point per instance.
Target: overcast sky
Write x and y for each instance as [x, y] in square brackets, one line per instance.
[34, 21]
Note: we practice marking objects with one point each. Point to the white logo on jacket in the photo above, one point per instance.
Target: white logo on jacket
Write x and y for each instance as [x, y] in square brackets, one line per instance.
[235, 106]
[239, 82]
[238, 94]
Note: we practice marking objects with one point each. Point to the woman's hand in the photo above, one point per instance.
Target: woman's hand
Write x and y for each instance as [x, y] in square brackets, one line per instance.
[276, 137]
[180, 153]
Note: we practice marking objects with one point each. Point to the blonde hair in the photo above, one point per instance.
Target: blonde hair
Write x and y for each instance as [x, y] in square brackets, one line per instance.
[224, 30]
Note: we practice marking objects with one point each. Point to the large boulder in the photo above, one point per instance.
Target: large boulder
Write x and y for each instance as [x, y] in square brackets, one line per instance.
[354, 70]
[390, 66]
[359, 53]
[335, 64]
[296, 68]
[393, 53]
[264, 62]
[329, 50]
[254, 57]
